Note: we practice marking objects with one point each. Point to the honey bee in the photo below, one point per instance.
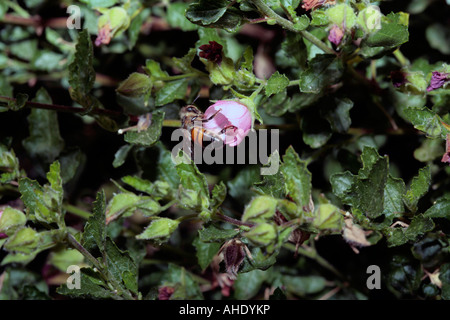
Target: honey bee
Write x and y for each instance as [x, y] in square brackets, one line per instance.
[192, 120]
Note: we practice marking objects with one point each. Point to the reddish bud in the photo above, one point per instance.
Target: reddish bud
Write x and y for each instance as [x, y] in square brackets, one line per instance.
[104, 35]
[211, 52]
[164, 293]
[398, 78]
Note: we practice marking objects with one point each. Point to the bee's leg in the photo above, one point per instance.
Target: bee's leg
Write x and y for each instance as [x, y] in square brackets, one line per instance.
[230, 127]
[212, 116]
[224, 131]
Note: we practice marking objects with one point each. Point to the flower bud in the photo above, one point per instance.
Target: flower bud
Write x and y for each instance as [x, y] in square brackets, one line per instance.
[233, 121]
[336, 34]
[10, 221]
[136, 85]
[438, 79]
[111, 23]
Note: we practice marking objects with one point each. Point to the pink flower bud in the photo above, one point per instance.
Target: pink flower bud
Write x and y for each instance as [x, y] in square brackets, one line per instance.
[336, 34]
[438, 79]
[232, 121]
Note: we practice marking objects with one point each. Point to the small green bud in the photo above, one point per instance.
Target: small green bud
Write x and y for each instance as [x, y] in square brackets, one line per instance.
[24, 240]
[136, 85]
[328, 217]
[260, 209]
[342, 15]
[11, 220]
[263, 234]
[369, 19]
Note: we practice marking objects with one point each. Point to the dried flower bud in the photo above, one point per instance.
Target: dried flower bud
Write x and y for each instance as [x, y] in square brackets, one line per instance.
[297, 236]
[211, 52]
[164, 293]
[438, 79]
[233, 120]
[233, 255]
[104, 35]
[111, 23]
[398, 78]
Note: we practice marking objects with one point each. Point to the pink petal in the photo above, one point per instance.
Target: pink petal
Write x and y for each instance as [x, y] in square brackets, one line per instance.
[231, 113]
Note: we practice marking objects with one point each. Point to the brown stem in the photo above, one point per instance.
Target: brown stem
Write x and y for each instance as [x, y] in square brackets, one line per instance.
[233, 221]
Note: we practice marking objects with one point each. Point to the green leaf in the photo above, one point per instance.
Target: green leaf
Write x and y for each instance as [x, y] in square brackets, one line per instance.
[214, 13]
[439, 209]
[323, 70]
[171, 91]
[212, 233]
[303, 285]
[438, 37]
[45, 141]
[94, 235]
[159, 230]
[272, 185]
[100, 3]
[444, 276]
[121, 155]
[43, 203]
[366, 190]
[139, 184]
[247, 285]
[64, 258]
[186, 288]
[339, 117]
[276, 83]
[418, 188]
[218, 195]
[297, 178]
[176, 17]
[81, 72]
[121, 266]
[126, 203]
[19, 102]
[205, 252]
[429, 150]
[427, 121]
[260, 209]
[393, 198]
[89, 287]
[392, 34]
[418, 226]
[194, 193]
[149, 136]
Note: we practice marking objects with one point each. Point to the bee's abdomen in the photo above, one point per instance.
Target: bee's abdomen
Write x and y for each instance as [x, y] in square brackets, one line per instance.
[197, 135]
